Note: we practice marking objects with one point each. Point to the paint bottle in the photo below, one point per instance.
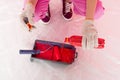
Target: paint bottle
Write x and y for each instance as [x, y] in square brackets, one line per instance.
[77, 41]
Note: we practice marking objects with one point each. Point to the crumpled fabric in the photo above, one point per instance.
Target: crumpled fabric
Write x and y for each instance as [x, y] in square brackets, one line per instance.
[80, 8]
[41, 9]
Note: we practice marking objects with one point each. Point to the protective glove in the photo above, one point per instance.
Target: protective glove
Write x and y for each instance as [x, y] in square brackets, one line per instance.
[90, 35]
[27, 14]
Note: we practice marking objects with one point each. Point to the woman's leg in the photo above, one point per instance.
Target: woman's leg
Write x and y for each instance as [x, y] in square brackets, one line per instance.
[42, 11]
[67, 0]
[80, 7]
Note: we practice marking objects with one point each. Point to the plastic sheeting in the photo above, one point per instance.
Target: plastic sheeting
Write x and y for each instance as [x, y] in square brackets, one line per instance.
[98, 64]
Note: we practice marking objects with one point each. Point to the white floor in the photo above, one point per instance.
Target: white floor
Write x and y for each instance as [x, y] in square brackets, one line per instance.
[102, 64]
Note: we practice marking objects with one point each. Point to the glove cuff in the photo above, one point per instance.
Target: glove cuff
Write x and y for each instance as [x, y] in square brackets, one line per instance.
[88, 22]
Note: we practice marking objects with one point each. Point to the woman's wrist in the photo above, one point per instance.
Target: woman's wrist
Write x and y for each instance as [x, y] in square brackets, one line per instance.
[89, 22]
[92, 19]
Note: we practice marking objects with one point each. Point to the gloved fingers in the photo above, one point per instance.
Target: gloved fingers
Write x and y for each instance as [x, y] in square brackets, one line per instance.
[84, 42]
[22, 16]
[96, 41]
[29, 12]
[30, 18]
[90, 42]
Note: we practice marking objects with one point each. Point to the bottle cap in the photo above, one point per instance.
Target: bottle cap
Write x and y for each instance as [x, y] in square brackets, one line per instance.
[29, 26]
[66, 39]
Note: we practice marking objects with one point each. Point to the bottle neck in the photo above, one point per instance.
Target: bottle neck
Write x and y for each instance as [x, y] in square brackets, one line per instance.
[66, 39]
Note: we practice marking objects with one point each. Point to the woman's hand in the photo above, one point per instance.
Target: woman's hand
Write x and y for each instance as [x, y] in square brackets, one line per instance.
[28, 13]
[90, 35]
